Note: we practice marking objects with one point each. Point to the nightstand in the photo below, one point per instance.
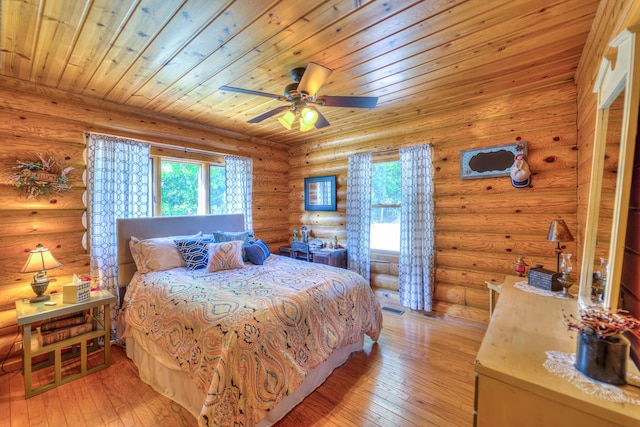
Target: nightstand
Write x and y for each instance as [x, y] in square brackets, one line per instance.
[333, 257]
[32, 313]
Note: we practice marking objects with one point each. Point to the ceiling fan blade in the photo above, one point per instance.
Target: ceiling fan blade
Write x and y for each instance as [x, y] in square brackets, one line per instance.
[314, 76]
[249, 92]
[348, 101]
[268, 114]
[322, 121]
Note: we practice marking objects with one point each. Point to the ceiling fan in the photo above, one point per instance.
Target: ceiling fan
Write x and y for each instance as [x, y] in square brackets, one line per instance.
[301, 97]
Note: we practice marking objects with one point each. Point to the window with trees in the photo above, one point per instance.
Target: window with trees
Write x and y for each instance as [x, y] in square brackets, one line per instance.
[187, 187]
[385, 205]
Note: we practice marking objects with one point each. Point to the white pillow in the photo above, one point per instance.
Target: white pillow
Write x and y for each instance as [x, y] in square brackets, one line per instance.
[157, 254]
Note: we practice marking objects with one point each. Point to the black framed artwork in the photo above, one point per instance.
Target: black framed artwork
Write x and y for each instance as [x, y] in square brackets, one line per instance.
[320, 193]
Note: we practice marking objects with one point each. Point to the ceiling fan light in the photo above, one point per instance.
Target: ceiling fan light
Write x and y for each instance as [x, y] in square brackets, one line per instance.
[308, 116]
[304, 126]
[287, 119]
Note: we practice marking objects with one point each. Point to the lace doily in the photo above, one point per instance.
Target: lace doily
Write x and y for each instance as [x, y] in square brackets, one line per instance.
[562, 365]
[524, 286]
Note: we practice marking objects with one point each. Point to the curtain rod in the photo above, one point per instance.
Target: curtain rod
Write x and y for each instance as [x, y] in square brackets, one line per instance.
[386, 151]
[397, 149]
[162, 145]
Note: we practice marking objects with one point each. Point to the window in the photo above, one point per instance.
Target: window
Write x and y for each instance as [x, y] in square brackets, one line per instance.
[180, 182]
[385, 206]
[216, 190]
[187, 187]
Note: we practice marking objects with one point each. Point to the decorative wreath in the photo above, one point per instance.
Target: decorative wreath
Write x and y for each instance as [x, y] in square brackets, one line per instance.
[40, 176]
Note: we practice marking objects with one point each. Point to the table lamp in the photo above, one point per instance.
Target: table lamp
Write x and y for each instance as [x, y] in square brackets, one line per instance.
[40, 260]
[559, 232]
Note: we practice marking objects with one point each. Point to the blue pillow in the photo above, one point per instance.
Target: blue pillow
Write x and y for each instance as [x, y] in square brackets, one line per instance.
[247, 237]
[195, 251]
[257, 252]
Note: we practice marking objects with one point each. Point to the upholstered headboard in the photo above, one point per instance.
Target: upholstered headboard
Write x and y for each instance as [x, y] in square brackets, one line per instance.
[161, 226]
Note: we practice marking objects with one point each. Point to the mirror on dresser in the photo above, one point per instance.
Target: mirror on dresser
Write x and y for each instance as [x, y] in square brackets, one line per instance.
[612, 164]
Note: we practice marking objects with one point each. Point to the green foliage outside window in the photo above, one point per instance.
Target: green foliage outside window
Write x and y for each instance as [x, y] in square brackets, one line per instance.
[180, 183]
[217, 184]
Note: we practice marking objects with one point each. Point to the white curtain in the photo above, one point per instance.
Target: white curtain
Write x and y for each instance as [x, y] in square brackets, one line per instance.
[118, 187]
[359, 213]
[238, 186]
[415, 278]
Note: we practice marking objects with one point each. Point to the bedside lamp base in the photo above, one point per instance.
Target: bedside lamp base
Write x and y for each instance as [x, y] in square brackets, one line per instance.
[39, 286]
[39, 299]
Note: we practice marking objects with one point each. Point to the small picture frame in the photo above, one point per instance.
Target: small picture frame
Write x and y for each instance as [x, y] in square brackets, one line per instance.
[320, 193]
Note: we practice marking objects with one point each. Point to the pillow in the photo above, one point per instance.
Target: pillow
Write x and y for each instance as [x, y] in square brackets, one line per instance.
[156, 254]
[257, 252]
[245, 236]
[195, 251]
[225, 256]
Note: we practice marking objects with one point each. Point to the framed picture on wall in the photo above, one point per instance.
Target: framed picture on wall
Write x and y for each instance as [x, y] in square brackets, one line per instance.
[491, 161]
[320, 193]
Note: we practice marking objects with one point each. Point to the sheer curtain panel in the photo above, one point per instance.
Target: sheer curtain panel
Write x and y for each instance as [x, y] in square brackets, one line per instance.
[359, 213]
[239, 182]
[118, 186]
[415, 275]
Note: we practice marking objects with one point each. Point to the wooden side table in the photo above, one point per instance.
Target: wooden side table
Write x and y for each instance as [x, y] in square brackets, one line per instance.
[31, 313]
[333, 257]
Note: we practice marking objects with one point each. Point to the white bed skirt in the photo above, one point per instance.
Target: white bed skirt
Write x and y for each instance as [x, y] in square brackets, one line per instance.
[164, 375]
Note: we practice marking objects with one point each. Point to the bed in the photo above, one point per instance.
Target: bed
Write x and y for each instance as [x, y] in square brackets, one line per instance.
[238, 346]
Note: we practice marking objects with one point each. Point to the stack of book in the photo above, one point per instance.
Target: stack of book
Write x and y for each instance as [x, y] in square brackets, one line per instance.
[65, 327]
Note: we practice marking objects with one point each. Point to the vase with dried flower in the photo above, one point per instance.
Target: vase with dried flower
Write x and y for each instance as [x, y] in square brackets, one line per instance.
[602, 351]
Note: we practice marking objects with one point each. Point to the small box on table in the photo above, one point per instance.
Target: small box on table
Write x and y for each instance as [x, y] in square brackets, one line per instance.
[74, 293]
[544, 279]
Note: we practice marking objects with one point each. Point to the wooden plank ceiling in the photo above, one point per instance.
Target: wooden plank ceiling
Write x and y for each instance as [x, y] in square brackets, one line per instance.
[171, 56]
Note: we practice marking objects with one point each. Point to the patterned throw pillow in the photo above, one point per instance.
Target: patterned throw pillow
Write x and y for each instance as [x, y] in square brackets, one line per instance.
[225, 256]
[195, 251]
[257, 252]
[246, 237]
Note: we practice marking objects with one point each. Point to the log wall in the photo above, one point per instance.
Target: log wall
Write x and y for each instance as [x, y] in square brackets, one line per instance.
[38, 120]
[482, 225]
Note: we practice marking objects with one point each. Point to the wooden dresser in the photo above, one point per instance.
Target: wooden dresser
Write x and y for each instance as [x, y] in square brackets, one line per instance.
[513, 388]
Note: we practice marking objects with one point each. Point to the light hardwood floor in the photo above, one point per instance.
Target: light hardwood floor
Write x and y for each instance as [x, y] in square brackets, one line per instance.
[419, 373]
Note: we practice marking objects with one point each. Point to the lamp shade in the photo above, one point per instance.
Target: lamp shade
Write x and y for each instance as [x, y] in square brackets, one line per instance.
[287, 119]
[559, 232]
[40, 259]
[308, 118]
[305, 127]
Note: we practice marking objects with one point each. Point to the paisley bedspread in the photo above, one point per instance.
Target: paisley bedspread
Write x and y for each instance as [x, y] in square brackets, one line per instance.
[249, 336]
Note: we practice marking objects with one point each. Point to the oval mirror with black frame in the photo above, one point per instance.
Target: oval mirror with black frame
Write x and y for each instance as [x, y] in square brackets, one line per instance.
[320, 193]
[615, 132]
